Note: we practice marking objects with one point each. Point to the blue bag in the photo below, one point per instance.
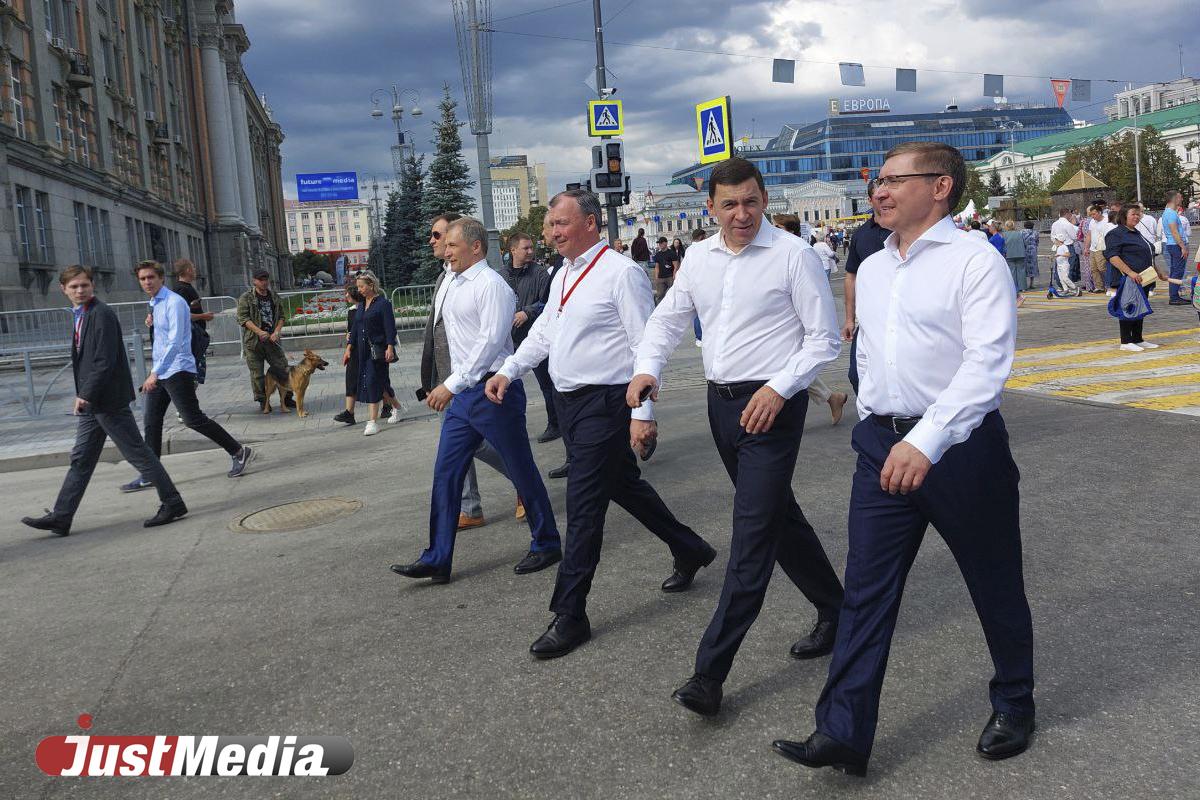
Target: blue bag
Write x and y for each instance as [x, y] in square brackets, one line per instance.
[1130, 302]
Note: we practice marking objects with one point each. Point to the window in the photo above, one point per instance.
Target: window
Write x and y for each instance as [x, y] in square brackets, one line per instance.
[23, 224]
[307, 229]
[358, 238]
[106, 240]
[357, 226]
[346, 214]
[41, 226]
[82, 241]
[56, 103]
[18, 98]
[304, 215]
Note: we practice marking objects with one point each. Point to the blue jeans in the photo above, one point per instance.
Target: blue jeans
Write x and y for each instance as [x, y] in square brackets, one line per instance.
[1176, 266]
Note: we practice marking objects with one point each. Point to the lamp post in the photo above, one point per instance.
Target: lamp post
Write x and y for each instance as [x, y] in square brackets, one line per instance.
[1011, 126]
[398, 119]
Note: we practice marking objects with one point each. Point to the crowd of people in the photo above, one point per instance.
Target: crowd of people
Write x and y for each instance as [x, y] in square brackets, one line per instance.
[922, 299]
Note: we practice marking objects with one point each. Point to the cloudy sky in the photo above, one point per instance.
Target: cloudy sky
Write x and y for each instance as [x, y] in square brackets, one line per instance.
[317, 62]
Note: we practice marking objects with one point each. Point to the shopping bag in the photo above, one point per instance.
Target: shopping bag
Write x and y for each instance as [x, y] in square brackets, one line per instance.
[1130, 302]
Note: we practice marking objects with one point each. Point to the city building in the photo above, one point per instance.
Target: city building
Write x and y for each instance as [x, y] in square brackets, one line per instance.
[1155, 97]
[1179, 126]
[330, 227]
[515, 187]
[672, 211]
[847, 146]
[129, 131]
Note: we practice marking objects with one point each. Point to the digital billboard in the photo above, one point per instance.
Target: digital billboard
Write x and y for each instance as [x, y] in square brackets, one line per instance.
[327, 186]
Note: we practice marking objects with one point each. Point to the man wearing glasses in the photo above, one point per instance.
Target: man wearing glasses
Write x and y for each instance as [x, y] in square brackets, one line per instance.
[937, 330]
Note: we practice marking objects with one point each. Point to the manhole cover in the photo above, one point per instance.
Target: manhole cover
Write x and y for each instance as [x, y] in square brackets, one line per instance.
[296, 516]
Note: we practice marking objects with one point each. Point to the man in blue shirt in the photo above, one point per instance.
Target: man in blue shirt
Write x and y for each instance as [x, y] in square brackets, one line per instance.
[1175, 244]
[173, 375]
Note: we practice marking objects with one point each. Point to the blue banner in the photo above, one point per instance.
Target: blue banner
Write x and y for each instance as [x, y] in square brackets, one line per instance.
[327, 186]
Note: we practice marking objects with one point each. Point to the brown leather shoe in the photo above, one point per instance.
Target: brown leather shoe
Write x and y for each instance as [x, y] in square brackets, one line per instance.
[465, 522]
[520, 512]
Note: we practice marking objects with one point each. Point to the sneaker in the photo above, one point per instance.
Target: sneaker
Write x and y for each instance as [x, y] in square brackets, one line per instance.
[136, 485]
[1147, 345]
[240, 461]
[346, 417]
[1130, 347]
[699, 343]
[371, 429]
[395, 417]
[1110, 293]
[386, 412]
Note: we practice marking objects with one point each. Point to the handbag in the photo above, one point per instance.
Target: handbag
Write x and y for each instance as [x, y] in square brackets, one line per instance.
[378, 352]
[1130, 303]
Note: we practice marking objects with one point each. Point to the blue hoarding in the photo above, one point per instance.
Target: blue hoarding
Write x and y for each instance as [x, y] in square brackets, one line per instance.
[327, 186]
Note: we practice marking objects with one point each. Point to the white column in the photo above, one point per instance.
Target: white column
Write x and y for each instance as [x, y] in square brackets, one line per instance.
[220, 131]
[241, 149]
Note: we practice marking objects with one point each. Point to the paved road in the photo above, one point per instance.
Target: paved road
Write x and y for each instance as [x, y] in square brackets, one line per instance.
[196, 629]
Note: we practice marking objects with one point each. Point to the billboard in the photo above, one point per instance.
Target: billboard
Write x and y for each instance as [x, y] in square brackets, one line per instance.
[327, 186]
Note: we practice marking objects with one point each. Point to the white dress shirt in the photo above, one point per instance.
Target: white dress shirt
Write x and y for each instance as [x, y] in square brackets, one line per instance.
[827, 256]
[591, 340]
[478, 308]
[936, 334]
[767, 312]
[1098, 230]
[1063, 231]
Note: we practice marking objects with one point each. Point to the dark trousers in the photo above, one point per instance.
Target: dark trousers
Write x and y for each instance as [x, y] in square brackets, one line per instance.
[1176, 267]
[768, 526]
[263, 357]
[542, 373]
[180, 389]
[94, 427]
[1131, 330]
[970, 496]
[852, 372]
[470, 419]
[595, 425]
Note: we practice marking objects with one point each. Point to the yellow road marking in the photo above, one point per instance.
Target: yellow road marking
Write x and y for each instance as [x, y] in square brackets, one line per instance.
[1168, 402]
[1094, 357]
[1092, 389]
[1048, 376]
[1055, 348]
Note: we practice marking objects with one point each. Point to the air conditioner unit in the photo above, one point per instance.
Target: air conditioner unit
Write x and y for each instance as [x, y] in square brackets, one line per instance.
[58, 42]
[150, 116]
[178, 139]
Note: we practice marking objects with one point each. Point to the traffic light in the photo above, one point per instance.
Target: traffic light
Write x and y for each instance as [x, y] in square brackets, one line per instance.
[608, 167]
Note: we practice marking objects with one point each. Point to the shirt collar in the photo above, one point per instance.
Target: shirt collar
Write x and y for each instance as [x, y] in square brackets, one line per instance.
[473, 271]
[767, 236]
[941, 232]
[587, 256]
[161, 296]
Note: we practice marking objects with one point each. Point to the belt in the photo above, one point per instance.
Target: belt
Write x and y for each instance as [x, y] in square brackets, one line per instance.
[900, 425]
[582, 390]
[731, 391]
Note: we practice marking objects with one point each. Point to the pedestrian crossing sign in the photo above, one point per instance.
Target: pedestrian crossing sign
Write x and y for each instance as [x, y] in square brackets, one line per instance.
[714, 123]
[605, 118]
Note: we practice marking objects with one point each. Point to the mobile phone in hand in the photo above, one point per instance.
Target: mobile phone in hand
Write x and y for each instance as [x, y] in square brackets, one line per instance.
[645, 393]
[421, 394]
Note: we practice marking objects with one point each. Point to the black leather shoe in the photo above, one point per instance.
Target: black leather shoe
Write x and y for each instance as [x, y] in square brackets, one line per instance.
[701, 694]
[346, 417]
[549, 435]
[681, 579]
[51, 522]
[821, 751]
[816, 644]
[166, 514]
[1005, 735]
[560, 472]
[564, 635]
[532, 562]
[419, 569]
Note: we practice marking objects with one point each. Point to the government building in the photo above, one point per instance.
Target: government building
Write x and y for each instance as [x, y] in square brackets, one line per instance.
[129, 131]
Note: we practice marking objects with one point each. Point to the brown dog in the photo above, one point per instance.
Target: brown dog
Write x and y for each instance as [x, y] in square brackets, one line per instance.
[298, 377]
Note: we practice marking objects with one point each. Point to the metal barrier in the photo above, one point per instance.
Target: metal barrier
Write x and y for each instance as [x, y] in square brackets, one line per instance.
[411, 305]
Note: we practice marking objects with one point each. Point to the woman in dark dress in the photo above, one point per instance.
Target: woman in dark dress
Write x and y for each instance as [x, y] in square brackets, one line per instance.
[1128, 252]
[374, 333]
[391, 407]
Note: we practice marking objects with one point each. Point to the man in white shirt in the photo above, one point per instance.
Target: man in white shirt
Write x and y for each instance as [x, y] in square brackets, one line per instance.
[477, 307]
[1096, 232]
[771, 325]
[590, 329]
[937, 332]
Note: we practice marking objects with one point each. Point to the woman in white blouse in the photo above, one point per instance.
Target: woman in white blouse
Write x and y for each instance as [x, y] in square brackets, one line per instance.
[828, 257]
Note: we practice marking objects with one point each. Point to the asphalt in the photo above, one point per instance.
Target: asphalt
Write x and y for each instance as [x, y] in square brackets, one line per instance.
[196, 629]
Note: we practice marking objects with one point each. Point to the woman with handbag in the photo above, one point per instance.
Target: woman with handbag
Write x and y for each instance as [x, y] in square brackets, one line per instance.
[391, 407]
[374, 335]
[1130, 254]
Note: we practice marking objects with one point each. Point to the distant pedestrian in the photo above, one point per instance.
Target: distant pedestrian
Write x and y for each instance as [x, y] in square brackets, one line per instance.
[1175, 243]
[185, 277]
[679, 248]
[665, 263]
[995, 236]
[827, 254]
[1062, 266]
[1130, 254]
[617, 245]
[375, 336]
[1029, 237]
[639, 251]
[350, 360]
[1098, 228]
[977, 229]
[260, 315]
[103, 392]
[1014, 254]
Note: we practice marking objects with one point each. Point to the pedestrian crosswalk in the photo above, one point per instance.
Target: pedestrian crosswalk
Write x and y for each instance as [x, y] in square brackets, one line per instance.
[1163, 379]
[1037, 302]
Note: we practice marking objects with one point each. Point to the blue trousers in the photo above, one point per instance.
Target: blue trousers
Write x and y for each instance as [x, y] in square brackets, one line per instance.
[1176, 266]
[971, 497]
[471, 418]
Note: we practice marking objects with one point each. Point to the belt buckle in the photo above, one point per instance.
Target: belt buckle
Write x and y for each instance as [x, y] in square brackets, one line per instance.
[725, 390]
[895, 429]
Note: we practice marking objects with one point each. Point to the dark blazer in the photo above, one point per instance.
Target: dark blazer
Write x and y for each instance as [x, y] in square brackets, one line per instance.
[99, 364]
[428, 365]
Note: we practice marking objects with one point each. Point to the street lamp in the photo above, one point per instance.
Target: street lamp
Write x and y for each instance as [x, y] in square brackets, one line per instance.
[1011, 126]
[398, 119]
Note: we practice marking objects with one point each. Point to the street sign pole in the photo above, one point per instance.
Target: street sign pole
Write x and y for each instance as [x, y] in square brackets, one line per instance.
[611, 200]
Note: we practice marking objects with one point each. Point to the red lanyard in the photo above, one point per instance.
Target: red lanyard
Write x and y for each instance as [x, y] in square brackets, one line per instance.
[566, 293]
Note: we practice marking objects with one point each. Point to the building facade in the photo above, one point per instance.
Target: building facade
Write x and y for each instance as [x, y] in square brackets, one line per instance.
[516, 186]
[330, 227]
[1155, 97]
[673, 211]
[129, 131]
[842, 147]
[1179, 126]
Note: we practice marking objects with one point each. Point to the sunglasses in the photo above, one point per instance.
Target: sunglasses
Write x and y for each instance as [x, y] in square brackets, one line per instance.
[435, 235]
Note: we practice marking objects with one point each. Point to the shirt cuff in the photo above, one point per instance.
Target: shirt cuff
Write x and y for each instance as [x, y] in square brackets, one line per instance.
[930, 440]
[457, 383]
[510, 371]
[785, 386]
[645, 412]
[651, 367]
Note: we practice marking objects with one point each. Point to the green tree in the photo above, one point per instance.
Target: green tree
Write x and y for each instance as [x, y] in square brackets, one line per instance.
[1032, 195]
[975, 191]
[448, 182]
[995, 187]
[309, 262]
[1111, 160]
[405, 244]
[530, 225]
